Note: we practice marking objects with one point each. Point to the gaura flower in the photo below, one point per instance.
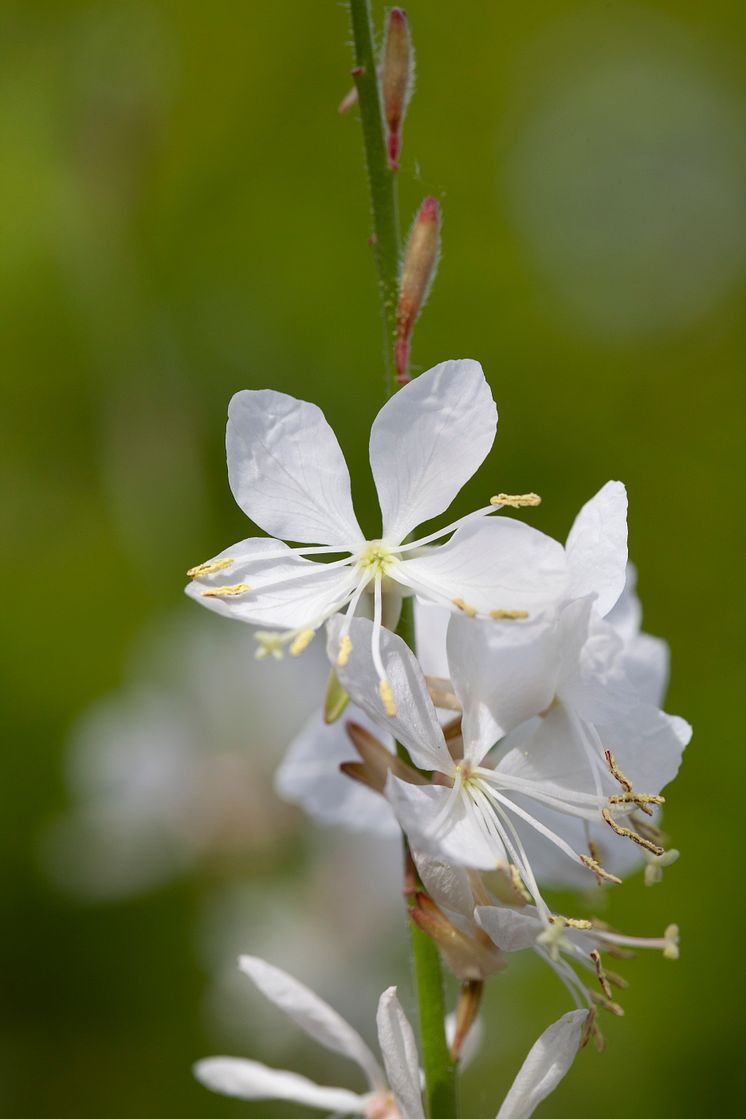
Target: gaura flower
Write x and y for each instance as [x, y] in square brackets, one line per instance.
[288, 474]
[391, 1094]
[557, 681]
[567, 942]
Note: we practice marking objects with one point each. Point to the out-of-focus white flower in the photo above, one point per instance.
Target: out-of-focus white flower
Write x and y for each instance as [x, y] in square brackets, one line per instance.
[391, 1094]
[177, 766]
[289, 476]
[310, 776]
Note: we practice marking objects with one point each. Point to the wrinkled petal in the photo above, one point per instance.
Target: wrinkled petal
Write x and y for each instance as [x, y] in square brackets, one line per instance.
[249, 1080]
[313, 1015]
[400, 1058]
[493, 564]
[460, 840]
[310, 777]
[597, 547]
[284, 589]
[287, 471]
[544, 1067]
[626, 614]
[512, 930]
[447, 885]
[427, 441]
[415, 723]
[503, 673]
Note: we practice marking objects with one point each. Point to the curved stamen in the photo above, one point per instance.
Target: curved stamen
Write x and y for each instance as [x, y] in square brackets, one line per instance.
[542, 829]
[440, 819]
[494, 817]
[476, 515]
[548, 788]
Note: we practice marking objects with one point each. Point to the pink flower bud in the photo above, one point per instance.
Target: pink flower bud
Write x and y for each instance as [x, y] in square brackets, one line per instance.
[420, 266]
[396, 78]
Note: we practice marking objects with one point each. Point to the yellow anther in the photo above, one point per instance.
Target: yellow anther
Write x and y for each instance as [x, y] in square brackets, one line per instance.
[226, 592]
[627, 833]
[616, 772]
[508, 615]
[464, 607]
[516, 500]
[607, 1004]
[601, 874]
[572, 922]
[345, 648]
[208, 568]
[301, 642]
[640, 800]
[671, 938]
[387, 698]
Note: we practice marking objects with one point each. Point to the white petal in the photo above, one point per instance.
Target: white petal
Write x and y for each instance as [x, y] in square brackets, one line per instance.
[312, 1014]
[447, 885]
[494, 564]
[549, 751]
[647, 744]
[415, 723]
[309, 775]
[248, 1080]
[460, 840]
[427, 441]
[548, 1061]
[287, 471]
[597, 547]
[399, 1052]
[510, 929]
[626, 615]
[646, 662]
[285, 590]
[503, 673]
[431, 627]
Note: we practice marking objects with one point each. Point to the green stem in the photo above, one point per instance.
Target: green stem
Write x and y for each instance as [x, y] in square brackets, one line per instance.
[440, 1071]
[381, 179]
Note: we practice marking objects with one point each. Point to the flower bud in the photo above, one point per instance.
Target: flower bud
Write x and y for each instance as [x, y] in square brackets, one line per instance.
[420, 266]
[396, 80]
[335, 700]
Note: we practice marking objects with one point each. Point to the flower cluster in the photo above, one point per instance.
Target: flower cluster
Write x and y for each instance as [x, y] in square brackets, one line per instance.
[532, 747]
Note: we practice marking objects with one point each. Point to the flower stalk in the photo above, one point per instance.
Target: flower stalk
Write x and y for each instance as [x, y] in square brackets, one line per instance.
[381, 178]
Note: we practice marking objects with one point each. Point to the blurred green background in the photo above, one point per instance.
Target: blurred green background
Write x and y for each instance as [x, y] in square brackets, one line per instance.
[183, 214]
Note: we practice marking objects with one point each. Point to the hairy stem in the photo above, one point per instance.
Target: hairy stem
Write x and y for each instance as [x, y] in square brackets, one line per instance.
[381, 179]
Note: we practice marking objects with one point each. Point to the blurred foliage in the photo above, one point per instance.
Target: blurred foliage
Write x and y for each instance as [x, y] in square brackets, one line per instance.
[183, 214]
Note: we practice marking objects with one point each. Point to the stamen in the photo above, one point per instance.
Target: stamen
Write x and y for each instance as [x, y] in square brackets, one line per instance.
[602, 875]
[572, 922]
[464, 607]
[226, 592]
[627, 833]
[607, 1004]
[387, 698]
[602, 976]
[508, 615]
[483, 512]
[641, 800]
[301, 642]
[516, 500]
[616, 771]
[345, 648]
[209, 567]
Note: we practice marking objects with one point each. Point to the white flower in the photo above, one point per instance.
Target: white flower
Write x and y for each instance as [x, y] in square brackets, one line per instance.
[393, 1094]
[558, 681]
[287, 473]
